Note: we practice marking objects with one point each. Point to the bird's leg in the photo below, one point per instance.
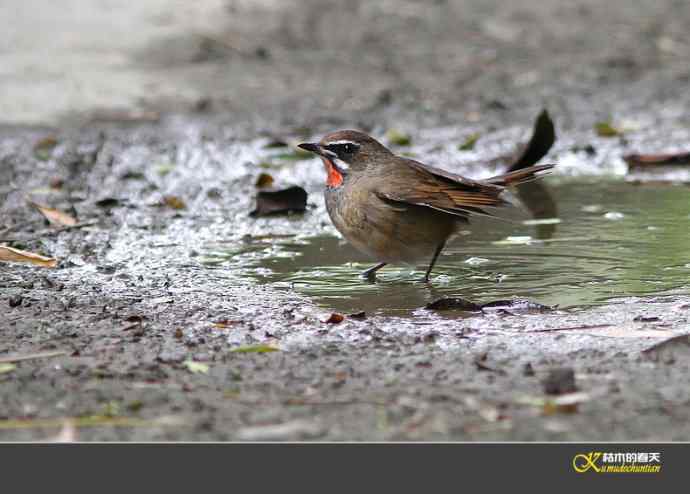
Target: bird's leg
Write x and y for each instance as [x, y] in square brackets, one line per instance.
[433, 261]
[370, 273]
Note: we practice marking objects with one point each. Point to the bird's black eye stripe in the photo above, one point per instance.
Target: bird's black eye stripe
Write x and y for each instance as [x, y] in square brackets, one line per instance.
[343, 148]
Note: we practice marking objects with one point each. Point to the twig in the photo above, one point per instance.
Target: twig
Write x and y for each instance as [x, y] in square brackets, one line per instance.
[53, 231]
[309, 403]
[570, 328]
[31, 356]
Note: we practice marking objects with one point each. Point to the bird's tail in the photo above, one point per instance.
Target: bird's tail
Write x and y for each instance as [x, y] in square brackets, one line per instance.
[519, 176]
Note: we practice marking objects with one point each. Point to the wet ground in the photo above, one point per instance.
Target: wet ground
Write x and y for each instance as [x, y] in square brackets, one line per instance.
[191, 320]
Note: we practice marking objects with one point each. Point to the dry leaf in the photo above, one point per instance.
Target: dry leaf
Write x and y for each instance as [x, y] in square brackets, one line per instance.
[54, 216]
[68, 433]
[224, 323]
[264, 180]
[650, 160]
[335, 318]
[260, 348]
[15, 255]
[196, 367]
[7, 367]
[606, 129]
[398, 138]
[174, 202]
[43, 149]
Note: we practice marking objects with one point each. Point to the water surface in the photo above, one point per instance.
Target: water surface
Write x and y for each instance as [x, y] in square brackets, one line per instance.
[603, 240]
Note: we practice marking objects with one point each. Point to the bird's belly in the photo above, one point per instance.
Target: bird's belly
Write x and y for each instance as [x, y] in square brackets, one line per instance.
[386, 233]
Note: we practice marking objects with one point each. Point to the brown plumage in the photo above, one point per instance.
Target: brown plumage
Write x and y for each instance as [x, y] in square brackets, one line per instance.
[399, 210]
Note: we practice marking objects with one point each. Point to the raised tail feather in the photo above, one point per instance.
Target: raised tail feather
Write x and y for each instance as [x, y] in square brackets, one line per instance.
[519, 176]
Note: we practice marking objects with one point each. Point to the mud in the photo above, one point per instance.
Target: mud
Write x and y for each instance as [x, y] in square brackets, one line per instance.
[143, 289]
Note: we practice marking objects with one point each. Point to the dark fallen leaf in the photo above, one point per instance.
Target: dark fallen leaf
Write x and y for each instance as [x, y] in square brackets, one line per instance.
[587, 149]
[43, 149]
[543, 137]
[203, 105]
[335, 318]
[606, 129]
[56, 183]
[469, 143]
[560, 381]
[429, 337]
[276, 143]
[135, 405]
[16, 300]
[358, 315]
[646, 319]
[107, 203]
[528, 370]
[516, 304]
[453, 303]
[496, 104]
[481, 366]
[133, 175]
[636, 161]
[264, 180]
[292, 199]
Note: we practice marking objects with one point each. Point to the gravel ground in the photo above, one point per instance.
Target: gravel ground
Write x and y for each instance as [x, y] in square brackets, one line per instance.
[133, 337]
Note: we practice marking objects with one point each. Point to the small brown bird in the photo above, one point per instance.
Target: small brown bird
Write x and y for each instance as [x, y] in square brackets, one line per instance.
[396, 209]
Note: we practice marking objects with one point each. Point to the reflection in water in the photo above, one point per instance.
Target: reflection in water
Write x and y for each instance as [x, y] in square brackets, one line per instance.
[538, 200]
[589, 260]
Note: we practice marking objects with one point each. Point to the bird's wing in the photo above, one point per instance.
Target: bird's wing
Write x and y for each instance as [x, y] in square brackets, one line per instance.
[438, 189]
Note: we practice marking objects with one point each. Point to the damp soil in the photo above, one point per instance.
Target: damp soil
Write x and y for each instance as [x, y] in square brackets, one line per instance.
[189, 319]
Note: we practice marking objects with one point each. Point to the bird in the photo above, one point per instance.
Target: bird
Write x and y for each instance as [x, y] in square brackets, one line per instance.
[398, 210]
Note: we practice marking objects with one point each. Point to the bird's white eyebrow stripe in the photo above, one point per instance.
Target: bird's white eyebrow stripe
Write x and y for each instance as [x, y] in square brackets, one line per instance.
[336, 143]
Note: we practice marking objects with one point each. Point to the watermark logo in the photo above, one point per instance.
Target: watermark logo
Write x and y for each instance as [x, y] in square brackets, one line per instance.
[600, 462]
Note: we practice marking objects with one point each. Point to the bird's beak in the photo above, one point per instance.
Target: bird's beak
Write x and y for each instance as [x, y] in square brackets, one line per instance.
[311, 147]
[317, 149]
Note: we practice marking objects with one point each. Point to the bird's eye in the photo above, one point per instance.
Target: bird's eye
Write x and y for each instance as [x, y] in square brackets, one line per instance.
[343, 148]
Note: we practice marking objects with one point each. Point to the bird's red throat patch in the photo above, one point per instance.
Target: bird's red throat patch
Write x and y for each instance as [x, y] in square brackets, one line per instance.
[335, 178]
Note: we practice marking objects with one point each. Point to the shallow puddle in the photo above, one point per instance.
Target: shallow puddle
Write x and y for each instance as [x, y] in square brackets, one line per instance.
[610, 239]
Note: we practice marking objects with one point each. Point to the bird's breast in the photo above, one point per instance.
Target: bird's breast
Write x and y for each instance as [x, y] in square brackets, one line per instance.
[384, 232]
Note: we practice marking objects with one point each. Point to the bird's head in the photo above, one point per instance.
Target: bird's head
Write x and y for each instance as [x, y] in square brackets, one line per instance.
[346, 151]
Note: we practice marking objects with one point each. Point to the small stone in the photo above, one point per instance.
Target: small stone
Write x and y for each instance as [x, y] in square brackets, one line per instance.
[560, 381]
